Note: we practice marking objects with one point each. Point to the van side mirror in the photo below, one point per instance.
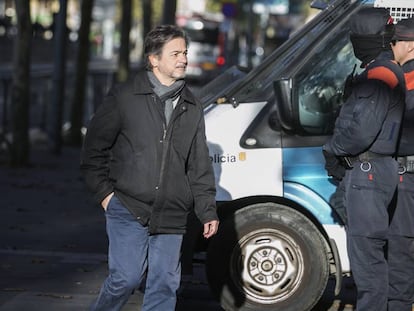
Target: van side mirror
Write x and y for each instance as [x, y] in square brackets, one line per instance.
[284, 105]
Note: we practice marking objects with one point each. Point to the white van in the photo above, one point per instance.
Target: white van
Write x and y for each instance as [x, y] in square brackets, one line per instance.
[280, 239]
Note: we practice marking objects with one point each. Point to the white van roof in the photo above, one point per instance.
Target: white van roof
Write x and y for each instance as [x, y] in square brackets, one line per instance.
[399, 9]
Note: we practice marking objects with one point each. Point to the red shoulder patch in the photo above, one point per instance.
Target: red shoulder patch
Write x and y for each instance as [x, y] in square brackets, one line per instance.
[409, 80]
[383, 74]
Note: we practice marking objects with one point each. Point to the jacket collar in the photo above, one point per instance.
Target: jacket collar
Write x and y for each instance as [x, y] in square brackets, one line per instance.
[142, 86]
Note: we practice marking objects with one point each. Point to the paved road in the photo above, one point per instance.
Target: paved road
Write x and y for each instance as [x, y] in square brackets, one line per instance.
[53, 243]
[46, 281]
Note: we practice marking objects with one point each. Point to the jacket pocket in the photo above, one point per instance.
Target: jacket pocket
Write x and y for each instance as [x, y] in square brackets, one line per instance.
[135, 177]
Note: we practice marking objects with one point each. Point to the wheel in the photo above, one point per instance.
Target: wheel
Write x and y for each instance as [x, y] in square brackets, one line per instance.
[267, 257]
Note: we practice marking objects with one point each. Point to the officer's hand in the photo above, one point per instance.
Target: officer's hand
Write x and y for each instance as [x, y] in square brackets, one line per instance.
[333, 166]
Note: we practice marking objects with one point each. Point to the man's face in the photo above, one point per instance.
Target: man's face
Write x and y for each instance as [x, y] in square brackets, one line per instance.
[402, 50]
[171, 64]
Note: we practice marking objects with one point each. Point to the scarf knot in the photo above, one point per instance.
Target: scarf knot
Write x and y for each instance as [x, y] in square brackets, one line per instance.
[168, 95]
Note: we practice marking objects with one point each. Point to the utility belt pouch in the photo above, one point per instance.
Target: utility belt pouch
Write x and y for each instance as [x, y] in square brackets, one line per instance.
[364, 157]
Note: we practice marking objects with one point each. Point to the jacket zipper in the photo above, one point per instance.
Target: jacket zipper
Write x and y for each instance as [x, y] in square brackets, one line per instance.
[165, 148]
[166, 142]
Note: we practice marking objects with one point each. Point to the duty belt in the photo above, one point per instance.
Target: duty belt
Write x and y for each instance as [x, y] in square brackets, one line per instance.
[364, 157]
[406, 164]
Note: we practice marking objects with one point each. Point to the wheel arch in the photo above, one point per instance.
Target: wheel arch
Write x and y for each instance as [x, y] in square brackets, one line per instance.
[304, 205]
[228, 208]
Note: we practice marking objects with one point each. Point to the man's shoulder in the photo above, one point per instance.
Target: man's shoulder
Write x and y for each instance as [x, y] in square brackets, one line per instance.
[138, 84]
[386, 71]
[408, 69]
[189, 96]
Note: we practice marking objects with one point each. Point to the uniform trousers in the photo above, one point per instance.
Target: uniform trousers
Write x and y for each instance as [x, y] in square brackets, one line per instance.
[401, 247]
[369, 189]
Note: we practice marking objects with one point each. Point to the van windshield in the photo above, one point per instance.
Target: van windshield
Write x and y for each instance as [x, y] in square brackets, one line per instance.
[294, 53]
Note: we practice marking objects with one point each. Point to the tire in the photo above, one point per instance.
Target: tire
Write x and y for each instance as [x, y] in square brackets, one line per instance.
[267, 257]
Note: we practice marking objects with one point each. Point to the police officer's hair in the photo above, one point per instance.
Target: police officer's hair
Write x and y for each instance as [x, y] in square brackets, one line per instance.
[158, 37]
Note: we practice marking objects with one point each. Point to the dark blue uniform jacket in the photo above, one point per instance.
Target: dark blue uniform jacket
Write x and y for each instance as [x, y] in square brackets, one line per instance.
[407, 137]
[370, 119]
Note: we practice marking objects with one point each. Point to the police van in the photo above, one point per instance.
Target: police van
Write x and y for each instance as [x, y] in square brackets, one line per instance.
[280, 237]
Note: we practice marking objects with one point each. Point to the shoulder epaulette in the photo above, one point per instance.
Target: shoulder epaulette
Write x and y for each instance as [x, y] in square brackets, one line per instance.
[386, 71]
[409, 80]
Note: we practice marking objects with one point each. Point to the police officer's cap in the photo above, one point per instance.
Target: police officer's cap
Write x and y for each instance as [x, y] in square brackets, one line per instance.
[404, 30]
[371, 21]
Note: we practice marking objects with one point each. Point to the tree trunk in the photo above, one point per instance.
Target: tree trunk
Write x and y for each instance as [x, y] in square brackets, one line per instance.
[59, 61]
[168, 13]
[123, 60]
[147, 16]
[82, 60]
[20, 94]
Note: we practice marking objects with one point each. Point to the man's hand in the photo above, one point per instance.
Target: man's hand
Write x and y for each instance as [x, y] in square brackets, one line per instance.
[105, 201]
[210, 228]
[333, 166]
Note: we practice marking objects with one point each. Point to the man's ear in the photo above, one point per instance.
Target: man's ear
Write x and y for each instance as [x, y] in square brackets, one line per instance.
[153, 59]
[411, 46]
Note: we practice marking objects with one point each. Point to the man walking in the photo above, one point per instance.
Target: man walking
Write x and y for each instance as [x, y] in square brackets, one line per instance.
[146, 160]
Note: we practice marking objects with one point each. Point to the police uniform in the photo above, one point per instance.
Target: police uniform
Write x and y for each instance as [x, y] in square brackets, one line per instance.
[401, 235]
[365, 135]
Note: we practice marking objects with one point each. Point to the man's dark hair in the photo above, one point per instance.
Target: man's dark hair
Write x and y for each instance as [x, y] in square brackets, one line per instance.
[158, 37]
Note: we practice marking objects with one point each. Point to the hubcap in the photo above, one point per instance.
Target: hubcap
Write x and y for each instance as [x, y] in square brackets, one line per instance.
[270, 264]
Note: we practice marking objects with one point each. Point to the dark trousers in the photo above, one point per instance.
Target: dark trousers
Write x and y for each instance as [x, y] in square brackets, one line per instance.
[133, 254]
[368, 192]
[401, 247]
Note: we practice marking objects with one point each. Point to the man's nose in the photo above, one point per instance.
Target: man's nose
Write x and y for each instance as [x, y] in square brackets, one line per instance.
[183, 58]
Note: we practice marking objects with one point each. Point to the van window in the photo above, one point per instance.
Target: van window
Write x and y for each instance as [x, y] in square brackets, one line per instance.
[321, 81]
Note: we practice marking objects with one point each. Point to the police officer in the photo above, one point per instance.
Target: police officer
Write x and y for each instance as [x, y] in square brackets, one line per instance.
[401, 235]
[365, 138]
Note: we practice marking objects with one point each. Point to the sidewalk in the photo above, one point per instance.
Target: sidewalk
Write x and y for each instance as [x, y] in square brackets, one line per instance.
[52, 237]
[47, 206]
[53, 242]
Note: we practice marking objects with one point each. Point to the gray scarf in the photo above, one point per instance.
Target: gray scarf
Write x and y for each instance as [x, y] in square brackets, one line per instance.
[169, 95]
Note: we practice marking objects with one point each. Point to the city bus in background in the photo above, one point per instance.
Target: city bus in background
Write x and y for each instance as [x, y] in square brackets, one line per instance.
[281, 238]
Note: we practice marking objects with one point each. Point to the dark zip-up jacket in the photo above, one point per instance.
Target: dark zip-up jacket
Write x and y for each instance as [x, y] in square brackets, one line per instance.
[407, 137]
[371, 117]
[159, 173]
